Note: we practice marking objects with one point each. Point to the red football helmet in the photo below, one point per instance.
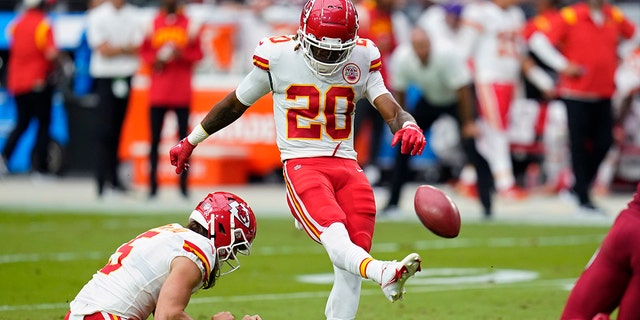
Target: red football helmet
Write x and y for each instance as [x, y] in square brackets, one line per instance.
[328, 33]
[231, 225]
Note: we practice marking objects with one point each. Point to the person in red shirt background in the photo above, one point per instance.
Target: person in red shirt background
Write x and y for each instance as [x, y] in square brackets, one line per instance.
[32, 56]
[171, 49]
[582, 45]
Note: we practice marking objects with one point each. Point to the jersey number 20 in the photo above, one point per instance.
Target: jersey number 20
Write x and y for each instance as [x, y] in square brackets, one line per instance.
[314, 109]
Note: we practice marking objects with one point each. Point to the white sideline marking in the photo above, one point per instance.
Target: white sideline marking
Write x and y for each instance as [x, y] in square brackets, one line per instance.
[320, 294]
[380, 247]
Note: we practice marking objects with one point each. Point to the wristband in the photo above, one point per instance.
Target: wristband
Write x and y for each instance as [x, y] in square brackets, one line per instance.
[408, 123]
[197, 135]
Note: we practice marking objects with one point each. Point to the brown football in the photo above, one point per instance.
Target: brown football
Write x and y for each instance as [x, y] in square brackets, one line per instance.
[437, 211]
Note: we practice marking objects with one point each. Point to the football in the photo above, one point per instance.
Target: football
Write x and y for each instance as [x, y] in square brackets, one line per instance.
[437, 211]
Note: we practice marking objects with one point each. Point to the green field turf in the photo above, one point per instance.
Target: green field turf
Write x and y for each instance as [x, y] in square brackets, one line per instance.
[491, 271]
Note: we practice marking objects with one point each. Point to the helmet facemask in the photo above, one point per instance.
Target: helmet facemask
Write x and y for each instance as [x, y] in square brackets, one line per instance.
[226, 256]
[327, 55]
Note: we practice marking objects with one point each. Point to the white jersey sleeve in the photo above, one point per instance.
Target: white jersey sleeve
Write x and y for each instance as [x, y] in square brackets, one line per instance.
[257, 83]
[375, 83]
[129, 285]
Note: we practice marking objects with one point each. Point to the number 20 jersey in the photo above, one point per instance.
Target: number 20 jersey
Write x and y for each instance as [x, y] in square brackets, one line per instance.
[313, 114]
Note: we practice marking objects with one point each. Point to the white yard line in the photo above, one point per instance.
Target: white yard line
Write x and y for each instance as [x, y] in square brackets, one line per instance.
[322, 294]
[437, 244]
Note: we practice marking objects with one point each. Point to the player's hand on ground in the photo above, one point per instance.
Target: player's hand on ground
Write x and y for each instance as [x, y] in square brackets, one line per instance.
[253, 317]
[412, 138]
[180, 153]
[224, 315]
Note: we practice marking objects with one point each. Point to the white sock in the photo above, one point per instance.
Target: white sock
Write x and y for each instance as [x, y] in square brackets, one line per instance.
[344, 297]
[346, 255]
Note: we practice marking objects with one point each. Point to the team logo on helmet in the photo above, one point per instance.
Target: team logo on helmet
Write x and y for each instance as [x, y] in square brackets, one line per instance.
[240, 212]
[351, 73]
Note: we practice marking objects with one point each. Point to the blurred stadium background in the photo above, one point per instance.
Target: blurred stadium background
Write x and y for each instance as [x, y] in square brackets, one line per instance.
[56, 234]
[248, 151]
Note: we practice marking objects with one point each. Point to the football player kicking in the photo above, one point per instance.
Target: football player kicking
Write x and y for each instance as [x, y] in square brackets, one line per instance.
[157, 271]
[316, 77]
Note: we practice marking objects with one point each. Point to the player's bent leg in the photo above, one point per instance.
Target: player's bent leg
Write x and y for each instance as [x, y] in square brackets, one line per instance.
[342, 252]
[395, 274]
[345, 295]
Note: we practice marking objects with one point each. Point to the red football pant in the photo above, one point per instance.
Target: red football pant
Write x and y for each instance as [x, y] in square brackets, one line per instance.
[96, 316]
[324, 190]
[494, 101]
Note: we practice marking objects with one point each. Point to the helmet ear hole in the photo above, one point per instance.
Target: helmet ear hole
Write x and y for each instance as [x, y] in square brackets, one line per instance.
[221, 229]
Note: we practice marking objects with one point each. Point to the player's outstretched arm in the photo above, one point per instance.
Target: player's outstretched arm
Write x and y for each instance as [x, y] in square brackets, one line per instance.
[176, 290]
[222, 114]
[402, 124]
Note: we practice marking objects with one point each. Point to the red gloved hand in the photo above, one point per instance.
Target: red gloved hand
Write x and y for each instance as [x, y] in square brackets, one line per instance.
[412, 138]
[179, 154]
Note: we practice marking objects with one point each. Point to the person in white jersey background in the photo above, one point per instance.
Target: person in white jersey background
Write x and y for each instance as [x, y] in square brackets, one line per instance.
[491, 38]
[315, 78]
[158, 271]
[445, 85]
[114, 33]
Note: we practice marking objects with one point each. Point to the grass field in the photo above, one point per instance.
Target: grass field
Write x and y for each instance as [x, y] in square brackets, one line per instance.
[491, 271]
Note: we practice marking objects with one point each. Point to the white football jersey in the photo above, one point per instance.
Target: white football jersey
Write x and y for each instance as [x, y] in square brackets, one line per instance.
[129, 285]
[492, 38]
[313, 114]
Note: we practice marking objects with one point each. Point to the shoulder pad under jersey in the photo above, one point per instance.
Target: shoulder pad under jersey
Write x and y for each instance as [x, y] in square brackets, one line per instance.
[269, 49]
[367, 47]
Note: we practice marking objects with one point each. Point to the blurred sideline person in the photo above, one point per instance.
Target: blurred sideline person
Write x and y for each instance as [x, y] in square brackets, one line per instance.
[316, 77]
[442, 22]
[171, 49]
[626, 103]
[157, 272]
[382, 23]
[545, 126]
[445, 85]
[491, 37]
[114, 34]
[253, 26]
[612, 277]
[586, 82]
[32, 58]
